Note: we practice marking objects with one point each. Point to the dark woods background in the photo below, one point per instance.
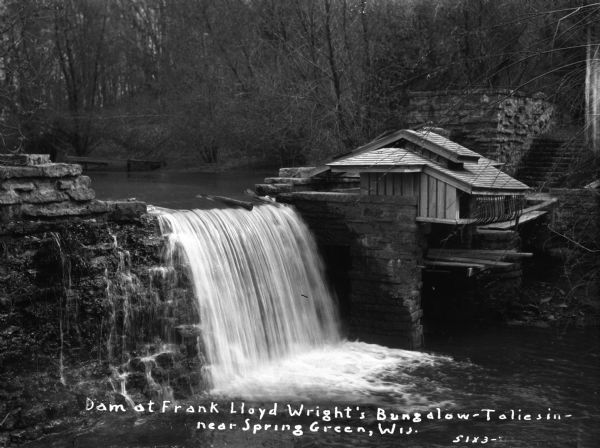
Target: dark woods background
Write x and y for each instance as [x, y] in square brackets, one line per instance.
[266, 81]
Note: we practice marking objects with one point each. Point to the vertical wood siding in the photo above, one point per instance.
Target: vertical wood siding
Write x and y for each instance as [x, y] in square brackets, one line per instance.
[436, 198]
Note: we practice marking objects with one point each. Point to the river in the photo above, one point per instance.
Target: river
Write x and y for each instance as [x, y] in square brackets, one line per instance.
[482, 385]
[174, 189]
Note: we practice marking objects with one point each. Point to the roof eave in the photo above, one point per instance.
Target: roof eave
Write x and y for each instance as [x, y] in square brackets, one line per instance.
[377, 168]
[500, 191]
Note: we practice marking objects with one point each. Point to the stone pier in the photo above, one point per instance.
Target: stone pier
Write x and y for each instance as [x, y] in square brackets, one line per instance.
[378, 239]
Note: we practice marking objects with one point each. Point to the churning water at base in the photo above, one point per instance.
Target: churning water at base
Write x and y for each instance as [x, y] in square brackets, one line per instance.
[268, 321]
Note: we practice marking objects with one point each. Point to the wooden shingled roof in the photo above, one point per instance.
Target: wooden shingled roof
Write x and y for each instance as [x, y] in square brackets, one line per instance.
[472, 173]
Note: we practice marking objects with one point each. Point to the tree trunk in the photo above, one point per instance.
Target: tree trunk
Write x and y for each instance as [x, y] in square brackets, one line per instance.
[592, 88]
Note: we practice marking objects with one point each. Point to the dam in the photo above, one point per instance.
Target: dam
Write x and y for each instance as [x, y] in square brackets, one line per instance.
[126, 303]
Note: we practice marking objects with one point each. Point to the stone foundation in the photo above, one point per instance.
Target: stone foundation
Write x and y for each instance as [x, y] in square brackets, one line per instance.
[385, 249]
[295, 179]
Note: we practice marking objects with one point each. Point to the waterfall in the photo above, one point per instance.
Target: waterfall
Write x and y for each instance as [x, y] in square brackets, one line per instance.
[259, 285]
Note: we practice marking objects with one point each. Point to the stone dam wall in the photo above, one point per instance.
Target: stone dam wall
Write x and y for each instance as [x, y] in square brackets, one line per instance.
[81, 282]
[377, 239]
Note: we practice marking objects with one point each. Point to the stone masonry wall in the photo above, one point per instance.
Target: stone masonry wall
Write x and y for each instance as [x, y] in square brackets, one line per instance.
[36, 194]
[385, 250]
[77, 276]
[500, 124]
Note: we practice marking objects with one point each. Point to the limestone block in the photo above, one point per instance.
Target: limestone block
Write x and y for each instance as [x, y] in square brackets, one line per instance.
[83, 181]
[8, 213]
[272, 189]
[9, 197]
[290, 180]
[24, 159]
[44, 170]
[44, 196]
[66, 208]
[18, 186]
[297, 171]
[62, 184]
[81, 194]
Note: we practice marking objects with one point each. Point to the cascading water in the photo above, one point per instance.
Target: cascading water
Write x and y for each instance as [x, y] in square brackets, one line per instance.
[268, 323]
[258, 282]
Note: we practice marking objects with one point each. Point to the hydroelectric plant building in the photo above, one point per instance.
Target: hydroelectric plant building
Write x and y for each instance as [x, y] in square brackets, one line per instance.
[453, 184]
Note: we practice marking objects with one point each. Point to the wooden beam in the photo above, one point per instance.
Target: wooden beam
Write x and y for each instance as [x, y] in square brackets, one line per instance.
[445, 221]
[456, 264]
[228, 201]
[485, 262]
[382, 169]
[540, 205]
[463, 186]
[494, 254]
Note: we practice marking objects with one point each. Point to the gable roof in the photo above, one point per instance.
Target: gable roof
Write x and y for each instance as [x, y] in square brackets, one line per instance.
[440, 145]
[477, 175]
[425, 136]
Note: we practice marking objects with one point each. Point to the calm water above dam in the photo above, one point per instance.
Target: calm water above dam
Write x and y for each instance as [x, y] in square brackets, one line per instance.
[174, 189]
[539, 387]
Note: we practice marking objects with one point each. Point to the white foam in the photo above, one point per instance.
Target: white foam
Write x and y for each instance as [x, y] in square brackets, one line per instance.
[344, 372]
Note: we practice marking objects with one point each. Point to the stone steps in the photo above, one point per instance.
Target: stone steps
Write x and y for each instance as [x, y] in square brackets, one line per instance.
[548, 161]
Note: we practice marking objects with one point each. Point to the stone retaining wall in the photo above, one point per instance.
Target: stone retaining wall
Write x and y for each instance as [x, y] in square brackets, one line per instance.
[37, 195]
[385, 249]
[74, 273]
[499, 124]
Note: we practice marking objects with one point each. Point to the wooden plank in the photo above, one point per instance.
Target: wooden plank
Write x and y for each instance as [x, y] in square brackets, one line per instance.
[444, 221]
[381, 178]
[364, 183]
[398, 184]
[539, 206]
[459, 184]
[389, 184]
[423, 195]
[451, 211]
[483, 261]
[457, 264]
[407, 185]
[492, 254]
[432, 193]
[416, 179]
[441, 199]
